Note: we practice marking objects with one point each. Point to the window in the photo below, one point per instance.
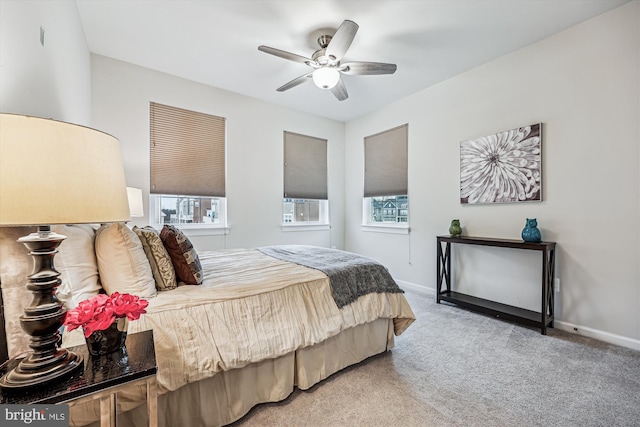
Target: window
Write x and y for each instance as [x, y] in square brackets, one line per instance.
[304, 211]
[187, 151]
[386, 210]
[177, 210]
[305, 198]
[385, 178]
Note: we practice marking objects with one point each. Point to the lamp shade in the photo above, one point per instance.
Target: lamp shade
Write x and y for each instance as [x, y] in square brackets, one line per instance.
[53, 172]
[135, 201]
[326, 78]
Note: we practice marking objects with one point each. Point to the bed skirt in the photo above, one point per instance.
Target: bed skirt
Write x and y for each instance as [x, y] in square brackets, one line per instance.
[229, 395]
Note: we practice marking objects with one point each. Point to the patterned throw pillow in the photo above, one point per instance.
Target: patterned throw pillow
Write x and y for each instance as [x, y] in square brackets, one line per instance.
[183, 255]
[159, 260]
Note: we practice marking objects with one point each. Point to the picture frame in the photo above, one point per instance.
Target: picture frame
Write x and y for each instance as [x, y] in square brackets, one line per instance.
[505, 167]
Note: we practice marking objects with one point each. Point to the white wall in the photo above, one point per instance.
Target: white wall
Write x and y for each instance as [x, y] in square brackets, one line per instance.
[54, 80]
[583, 85]
[121, 94]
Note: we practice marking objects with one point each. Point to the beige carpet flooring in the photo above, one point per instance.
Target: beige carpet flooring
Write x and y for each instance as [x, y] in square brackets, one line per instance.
[453, 367]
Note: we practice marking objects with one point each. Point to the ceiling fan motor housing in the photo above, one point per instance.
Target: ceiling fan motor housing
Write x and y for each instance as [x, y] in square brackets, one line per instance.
[323, 60]
[326, 62]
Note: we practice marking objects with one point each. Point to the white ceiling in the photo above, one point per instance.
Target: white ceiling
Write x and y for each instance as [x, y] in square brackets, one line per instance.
[216, 42]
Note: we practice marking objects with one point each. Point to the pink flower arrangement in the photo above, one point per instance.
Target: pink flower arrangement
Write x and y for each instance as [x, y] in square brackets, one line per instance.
[99, 312]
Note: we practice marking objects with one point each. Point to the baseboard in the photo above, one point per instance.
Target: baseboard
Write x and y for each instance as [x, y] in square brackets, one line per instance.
[558, 324]
[597, 334]
[418, 289]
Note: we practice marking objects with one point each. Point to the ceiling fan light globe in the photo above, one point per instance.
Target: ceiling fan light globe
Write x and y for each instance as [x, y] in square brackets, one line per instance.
[326, 78]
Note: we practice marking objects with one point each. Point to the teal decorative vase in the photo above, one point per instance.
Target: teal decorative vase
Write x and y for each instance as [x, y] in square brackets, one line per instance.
[455, 230]
[530, 232]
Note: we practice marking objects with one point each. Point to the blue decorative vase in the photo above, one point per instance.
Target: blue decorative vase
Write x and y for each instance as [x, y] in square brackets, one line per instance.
[530, 232]
[455, 230]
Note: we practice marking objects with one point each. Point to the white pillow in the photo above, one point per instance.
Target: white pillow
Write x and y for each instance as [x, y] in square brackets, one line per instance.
[122, 263]
[76, 262]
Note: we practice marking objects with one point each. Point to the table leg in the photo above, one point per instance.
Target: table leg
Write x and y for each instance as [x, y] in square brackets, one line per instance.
[443, 268]
[152, 402]
[108, 411]
[545, 294]
[439, 270]
[548, 273]
[551, 272]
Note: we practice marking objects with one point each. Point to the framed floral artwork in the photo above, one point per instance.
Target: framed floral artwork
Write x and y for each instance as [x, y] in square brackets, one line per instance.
[502, 168]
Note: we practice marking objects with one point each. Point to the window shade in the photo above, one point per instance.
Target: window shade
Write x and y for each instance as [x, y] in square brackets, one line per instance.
[187, 152]
[305, 167]
[385, 163]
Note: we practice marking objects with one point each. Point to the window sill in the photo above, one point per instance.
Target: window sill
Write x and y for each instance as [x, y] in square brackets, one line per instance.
[305, 227]
[198, 230]
[386, 228]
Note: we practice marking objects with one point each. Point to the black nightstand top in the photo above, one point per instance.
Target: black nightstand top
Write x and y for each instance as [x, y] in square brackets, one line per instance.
[136, 361]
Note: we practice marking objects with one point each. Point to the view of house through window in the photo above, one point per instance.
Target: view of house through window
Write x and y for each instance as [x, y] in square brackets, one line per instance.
[304, 211]
[389, 209]
[189, 210]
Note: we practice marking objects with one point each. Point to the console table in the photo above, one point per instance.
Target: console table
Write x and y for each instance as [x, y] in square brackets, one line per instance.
[542, 319]
[103, 377]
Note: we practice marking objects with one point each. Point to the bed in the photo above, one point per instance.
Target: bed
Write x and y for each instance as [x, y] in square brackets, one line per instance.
[260, 324]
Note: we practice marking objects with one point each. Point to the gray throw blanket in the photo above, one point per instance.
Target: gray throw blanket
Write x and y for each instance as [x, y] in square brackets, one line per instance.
[350, 275]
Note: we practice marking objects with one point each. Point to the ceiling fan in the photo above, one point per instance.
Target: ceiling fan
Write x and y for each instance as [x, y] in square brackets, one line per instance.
[326, 62]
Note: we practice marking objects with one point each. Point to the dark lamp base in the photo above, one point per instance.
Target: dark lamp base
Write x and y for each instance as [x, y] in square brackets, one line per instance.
[42, 319]
[28, 374]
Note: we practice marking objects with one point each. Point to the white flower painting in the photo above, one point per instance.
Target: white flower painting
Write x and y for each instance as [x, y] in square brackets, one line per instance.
[502, 168]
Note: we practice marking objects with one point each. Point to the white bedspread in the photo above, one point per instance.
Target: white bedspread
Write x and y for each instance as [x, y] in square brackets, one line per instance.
[251, 307]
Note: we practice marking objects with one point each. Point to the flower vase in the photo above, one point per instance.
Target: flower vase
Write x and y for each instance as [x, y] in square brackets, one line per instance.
[108, 340]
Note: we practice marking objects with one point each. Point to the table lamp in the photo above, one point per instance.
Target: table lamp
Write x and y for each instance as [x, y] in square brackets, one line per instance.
[53, 172]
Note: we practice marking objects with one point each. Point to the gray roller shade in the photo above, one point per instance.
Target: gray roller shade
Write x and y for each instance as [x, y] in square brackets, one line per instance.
[385, 163]
[187, 152]
[305, 167]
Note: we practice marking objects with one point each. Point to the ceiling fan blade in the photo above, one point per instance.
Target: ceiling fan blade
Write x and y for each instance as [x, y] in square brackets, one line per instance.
[340, 90]
[286, 55]
[295, 82]
[368, 68]
[342, 39]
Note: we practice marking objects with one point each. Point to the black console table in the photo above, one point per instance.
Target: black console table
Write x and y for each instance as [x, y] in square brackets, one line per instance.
[542, 319]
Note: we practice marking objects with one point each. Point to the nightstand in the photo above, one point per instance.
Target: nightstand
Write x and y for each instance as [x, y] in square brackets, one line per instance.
[102, 379]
